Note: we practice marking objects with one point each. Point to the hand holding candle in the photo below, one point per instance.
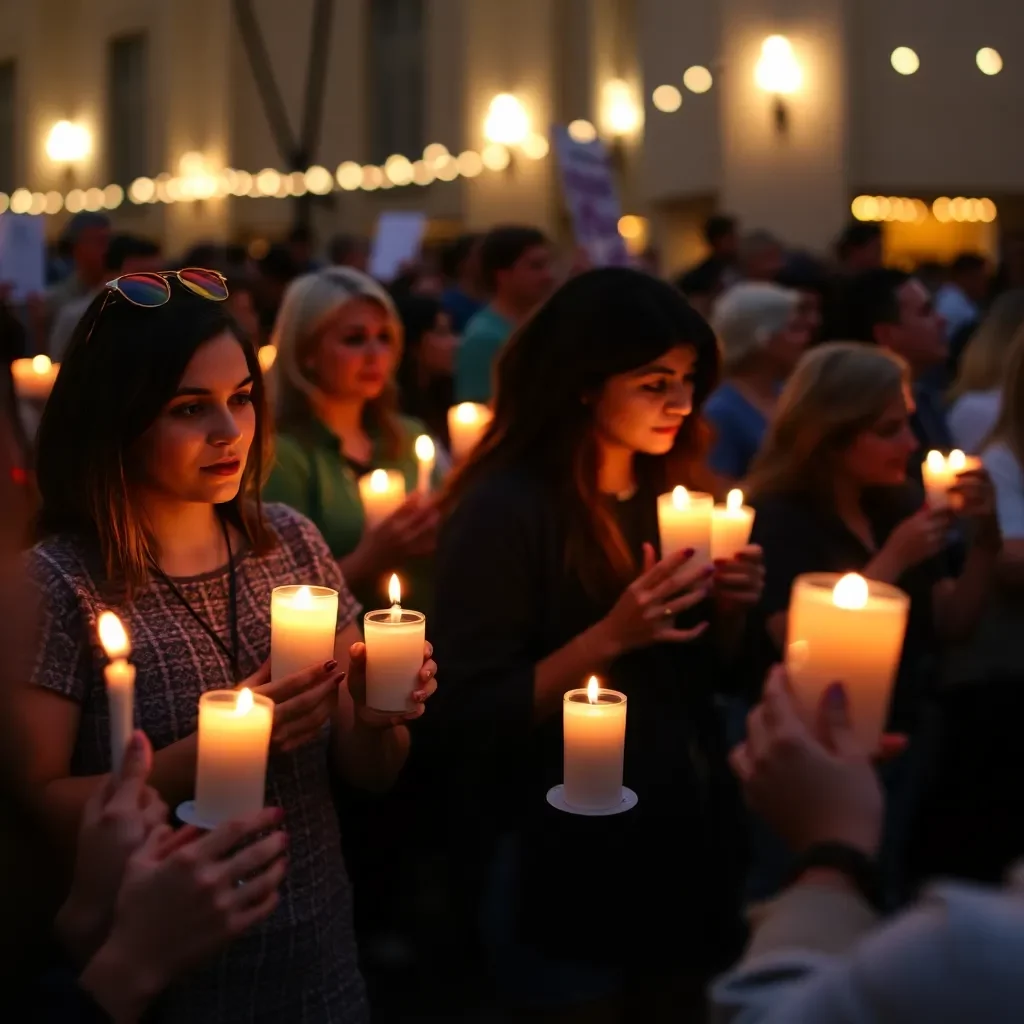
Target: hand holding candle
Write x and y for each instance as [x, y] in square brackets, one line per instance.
[382, 493]
[33, 378]
[425, 458]
[119, 675]
[594, 743]
[467, 424]
[731, 524]
[940, 474]
[394, 653]
[684, 521]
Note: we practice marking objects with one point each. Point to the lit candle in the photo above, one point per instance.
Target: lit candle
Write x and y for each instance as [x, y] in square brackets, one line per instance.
[382, 492]
[394, 653]
[119, 675]
[684, 521]
[466, 425]
[731, 524]
[234, 741]
[33, 378]
[267, 356]
[594, 742]
[425, 457]
[846, 630]
[303, 623]
[940, 474]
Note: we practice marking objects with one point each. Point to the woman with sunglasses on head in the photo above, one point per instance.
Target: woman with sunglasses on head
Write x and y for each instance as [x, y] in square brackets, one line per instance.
[151, 453]
[339, 342]
[548, 571]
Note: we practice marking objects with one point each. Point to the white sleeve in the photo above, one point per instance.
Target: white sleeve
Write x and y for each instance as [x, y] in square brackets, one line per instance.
[1008, 480]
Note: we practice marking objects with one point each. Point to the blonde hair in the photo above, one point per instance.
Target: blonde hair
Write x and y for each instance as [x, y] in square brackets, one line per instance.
[309, 303]
[747, 315]
[1009, 426]
[836, 391]
[984, 358]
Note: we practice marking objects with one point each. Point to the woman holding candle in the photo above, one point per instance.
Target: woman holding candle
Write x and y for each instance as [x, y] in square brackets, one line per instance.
[154, 511]
[547, 572]
[339, 340]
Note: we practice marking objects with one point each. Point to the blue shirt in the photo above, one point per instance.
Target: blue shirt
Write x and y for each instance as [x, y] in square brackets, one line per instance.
[459, 307]
[485, 337]
[739, 430]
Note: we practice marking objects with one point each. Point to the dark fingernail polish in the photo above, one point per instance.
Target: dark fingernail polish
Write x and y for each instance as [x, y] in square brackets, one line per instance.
[709, 570]
[279, 814]
[330, 666]
[720, 562]
[689, 552]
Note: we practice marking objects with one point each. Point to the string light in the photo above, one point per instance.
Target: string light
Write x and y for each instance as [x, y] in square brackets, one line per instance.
[903, 209]
[582, 131]
[989, 61]
[495, 157]
[349, 175]
[536, 147]
[422, 173]
[470, 164]
[904, 60]
[667, 98]
[697, 79]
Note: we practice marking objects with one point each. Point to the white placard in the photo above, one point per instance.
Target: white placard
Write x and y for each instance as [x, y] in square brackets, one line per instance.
[23, 255]
[397, 240]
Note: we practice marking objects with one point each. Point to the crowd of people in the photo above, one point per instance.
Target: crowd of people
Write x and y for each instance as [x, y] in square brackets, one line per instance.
[409, 865]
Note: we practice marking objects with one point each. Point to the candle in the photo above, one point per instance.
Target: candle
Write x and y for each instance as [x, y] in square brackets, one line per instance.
[466, 425]
[425, 458]
[684, 521]
[267, 356]
[940, 474]
[234, 741]
[119, 676]
[594, 742]
[731, 524]
[382, 492]
[394, 653]
[303, 623]
[33, 378]
[847, 630]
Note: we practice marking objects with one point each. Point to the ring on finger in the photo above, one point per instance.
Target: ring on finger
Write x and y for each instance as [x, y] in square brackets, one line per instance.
[667, 612]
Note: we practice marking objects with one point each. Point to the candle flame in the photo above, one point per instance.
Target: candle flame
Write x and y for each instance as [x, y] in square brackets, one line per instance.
[113, 636]
[734, 500]
[303, 599]
[244, 703]
[267, 356]
[467, 412]
[394, 589]
[593, 686]
[424, 448]
[379, 481]
[850, 592]
[957, 461]
[681, 497]
[936, 461]
[41, 364]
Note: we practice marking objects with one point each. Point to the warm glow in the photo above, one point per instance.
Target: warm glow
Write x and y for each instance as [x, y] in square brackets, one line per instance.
[495, 157]
[989, 61]
[734, 500]
[469, 164]
[905, 60]
[244, 703]
[42, 365]
[349, 175]
[777, 70]
[936, 461]
[507, 122]
[435, 152]
[113, 637]
[582, 131]
[466, 413]
[630, 226]
[303, 599]
[957, 461]
[379, 481]
[268, 181]
[267, 356]
[319, 180]
[398, 169]
[68, 143]
[593, 688]
[851, 592]
[536, 147]
[394, 589]
[697, 79]
[621, 113]
[667, 98]
[424, 448]
[681, 497]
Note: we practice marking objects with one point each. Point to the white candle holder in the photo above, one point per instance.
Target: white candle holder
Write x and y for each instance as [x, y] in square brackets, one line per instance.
[303, 625]
[394, 656]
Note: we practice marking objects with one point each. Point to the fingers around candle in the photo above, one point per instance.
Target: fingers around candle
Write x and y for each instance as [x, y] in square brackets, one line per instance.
[256, 890]
[428, 670]
[682, 636]
[739, 759]
[428, 650]
[256, 857]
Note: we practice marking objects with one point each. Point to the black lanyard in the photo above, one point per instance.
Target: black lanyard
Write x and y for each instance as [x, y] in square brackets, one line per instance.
[232, 652]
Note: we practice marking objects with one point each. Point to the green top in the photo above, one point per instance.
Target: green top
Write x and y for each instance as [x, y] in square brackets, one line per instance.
[312, 476]
[485, 336]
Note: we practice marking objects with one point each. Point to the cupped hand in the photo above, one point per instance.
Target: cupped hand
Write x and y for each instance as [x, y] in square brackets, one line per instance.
[303, 702]
[974, 495]
[426, 686]
[409, 532]
[739, 581]
[118, 818]
[919, 537]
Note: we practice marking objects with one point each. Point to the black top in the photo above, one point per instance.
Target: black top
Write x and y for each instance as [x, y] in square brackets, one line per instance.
[800, 535]
[652, 885]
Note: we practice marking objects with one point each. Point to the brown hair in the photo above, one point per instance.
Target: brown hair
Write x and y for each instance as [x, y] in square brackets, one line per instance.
[836, 391]
[122, 367]
[598, 325]
[984, 358]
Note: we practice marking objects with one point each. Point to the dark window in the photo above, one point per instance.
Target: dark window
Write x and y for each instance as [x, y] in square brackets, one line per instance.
[397, 79]
[127, 108]
[8, 86]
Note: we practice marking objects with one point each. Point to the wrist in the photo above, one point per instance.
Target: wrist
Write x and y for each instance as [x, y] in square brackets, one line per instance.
[120, 983]
[601, 643]
[80, 928]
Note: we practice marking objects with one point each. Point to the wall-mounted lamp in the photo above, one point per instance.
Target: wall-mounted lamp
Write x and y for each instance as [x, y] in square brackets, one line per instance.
[507, 122]
[67, 144]
[778, 73]
[621, 112]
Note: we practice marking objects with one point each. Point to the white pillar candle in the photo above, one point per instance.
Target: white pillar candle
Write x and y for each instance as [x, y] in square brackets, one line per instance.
[33, 378]
[382, 492]
[394, 653]
[940, 473]
[466, 425]
[684, 521]
[234, 742]
[425, 457]
[303, 624]
[119, 675]
[594, 743]
[731, 524]
[846, 630]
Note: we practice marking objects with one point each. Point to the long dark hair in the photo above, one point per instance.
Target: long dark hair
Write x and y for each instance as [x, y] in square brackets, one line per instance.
[598, 325]
[427, 399]
[123, 365]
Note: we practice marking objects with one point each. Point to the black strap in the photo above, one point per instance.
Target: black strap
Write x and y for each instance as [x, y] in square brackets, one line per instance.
[858, 867]
[232, 652]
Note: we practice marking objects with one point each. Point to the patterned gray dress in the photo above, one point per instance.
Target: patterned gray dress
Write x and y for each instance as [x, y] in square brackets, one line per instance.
[300, 966]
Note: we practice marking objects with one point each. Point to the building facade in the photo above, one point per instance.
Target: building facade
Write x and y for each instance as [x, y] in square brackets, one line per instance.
[700, 113]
